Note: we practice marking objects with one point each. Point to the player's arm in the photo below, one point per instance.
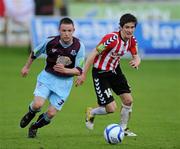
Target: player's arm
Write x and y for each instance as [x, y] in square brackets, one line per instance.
[69, 71]
[89, 62]
[26, 67]
[136, 60]
[80, 58]
[107, 42]
[41, 48]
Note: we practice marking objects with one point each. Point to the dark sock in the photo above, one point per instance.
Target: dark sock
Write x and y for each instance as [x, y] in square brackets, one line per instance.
[41, 121]
[31, 111]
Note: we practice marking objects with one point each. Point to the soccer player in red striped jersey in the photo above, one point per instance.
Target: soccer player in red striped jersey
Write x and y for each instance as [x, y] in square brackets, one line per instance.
[107, 73]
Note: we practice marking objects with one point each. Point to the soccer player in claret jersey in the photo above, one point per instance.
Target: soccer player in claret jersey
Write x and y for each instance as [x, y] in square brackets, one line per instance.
[107, 73]
[65, 58]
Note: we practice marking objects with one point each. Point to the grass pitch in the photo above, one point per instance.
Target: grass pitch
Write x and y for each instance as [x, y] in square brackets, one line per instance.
[155, 117]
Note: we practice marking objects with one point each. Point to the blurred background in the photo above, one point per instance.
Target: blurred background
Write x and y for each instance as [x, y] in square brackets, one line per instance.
[27, 22]
[155, 85]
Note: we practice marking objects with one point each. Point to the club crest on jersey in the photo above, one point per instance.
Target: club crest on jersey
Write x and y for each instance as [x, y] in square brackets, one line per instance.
[54, 50]
[63, 60]
[73, 52]
[114, 54]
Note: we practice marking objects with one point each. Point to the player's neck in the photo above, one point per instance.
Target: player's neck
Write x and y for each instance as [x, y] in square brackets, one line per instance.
[66, 44]
[122, 36]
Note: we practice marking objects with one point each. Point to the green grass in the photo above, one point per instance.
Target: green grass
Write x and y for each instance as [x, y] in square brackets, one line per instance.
[155, 117]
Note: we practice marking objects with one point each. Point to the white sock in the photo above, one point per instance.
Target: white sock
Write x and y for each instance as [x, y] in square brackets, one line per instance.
[125, 115]
[98, 111]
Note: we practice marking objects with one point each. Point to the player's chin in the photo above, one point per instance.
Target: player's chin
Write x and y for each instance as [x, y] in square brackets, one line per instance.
[128, 36]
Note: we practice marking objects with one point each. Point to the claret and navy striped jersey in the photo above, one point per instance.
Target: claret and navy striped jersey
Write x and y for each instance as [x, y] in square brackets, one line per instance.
[71, 56]
[111, 48]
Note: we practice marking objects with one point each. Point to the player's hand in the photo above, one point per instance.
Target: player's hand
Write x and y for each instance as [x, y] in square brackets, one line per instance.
[135, 62]
[24, 71]
[80, 80]
[59, 68]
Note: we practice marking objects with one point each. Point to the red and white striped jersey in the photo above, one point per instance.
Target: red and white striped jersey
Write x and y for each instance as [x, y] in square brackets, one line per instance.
[111, 48]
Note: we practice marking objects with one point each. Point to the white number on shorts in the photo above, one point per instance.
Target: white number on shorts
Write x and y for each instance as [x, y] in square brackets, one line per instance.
[108, 92]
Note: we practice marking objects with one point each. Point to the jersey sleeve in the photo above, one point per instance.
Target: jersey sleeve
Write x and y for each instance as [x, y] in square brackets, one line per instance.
[107, 43]
[133, 46]
[80, 58]
[41, 48]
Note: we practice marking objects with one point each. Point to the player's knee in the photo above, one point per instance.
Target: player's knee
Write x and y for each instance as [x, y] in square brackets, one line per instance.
[36, 105]
[127, 99]
[127, 102]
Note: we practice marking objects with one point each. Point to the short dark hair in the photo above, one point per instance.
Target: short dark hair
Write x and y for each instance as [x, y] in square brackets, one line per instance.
[66, 20]
[127, 18]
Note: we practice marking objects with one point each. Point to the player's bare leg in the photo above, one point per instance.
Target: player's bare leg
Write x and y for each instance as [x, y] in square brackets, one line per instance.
[91, 112]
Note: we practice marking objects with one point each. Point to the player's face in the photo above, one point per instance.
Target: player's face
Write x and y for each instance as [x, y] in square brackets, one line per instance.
[127, 30]
[66, 32]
